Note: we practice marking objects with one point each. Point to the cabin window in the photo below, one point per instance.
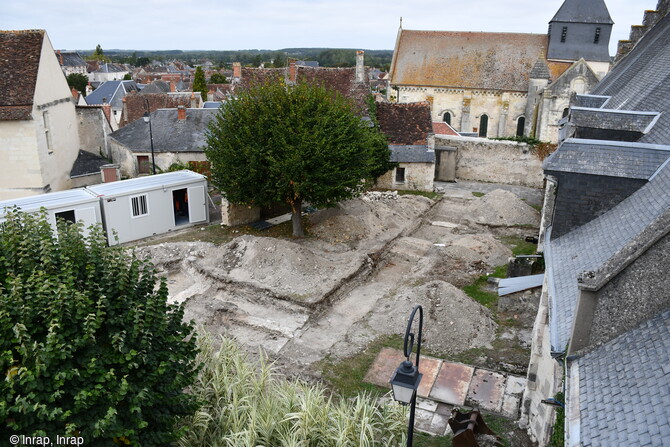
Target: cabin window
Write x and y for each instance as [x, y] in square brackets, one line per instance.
[139, 206]
[447, 117]
[483, 125]
[564, 34]
[67, 216]
[520, 125]
[596, 38]
[400, 175]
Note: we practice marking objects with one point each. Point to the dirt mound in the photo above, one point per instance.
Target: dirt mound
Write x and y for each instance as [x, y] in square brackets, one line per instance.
[453, 322]
[502, 208]
[482, 247]
[377, 217]
[169, 255]
[284, 267]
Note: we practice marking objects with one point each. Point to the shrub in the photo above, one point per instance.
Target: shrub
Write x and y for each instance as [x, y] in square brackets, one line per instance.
[245, 404]
[88, 344]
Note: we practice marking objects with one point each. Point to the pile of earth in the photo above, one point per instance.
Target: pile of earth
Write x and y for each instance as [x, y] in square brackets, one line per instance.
[501, 208]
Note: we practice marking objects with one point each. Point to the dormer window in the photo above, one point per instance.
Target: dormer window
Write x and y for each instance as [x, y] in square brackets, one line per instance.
[564, 34]
[596, 38]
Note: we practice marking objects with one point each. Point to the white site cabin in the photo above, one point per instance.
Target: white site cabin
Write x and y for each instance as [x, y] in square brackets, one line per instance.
[145, 206]
[73, 205]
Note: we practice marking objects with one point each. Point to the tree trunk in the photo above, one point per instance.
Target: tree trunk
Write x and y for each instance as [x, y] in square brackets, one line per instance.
[296, 218]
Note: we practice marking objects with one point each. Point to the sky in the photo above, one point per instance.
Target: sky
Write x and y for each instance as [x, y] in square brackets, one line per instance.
[272, 25]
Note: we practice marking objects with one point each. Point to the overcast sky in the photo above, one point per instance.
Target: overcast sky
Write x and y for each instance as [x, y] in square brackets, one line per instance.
[266, 24]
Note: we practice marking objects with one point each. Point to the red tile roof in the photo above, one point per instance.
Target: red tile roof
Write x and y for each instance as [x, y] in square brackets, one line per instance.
[20, 53]
[442, 128]
[135, 105]
[405, 124]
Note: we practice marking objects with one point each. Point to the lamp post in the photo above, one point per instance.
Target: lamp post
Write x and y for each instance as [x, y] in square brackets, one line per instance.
[147, 119]
[406, 378]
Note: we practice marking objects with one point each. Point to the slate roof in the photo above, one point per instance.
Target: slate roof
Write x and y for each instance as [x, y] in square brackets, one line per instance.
[20, 53]
[624, 388]
[490, 61]
[112, 92]
[641, 81]
[156, 87]
[87, 163]
[417, 153]
[611, 158]
[604, 236]
[583, 11]
[540, 70]
[70, 59]
[135, 105]
[405, 124]
[619, 120]
[169, 134]
[592, 101]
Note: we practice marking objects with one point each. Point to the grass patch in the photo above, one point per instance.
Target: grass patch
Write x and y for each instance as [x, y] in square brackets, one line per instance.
[519, 246]
[478, 194]
[558, 433]
[477, 292]
[424, 440]
[411, 192]
[346, 376]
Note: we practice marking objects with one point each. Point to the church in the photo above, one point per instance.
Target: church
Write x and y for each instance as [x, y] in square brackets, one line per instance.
[504, 84]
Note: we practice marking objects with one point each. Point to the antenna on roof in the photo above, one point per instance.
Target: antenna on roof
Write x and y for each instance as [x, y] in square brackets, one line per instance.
[401, 22]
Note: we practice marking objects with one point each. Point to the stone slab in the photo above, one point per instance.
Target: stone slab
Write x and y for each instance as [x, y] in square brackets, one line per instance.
[444, 224]
[429, 367]
[389, 359]
[487, 390]
[423, 420]
[451, 385]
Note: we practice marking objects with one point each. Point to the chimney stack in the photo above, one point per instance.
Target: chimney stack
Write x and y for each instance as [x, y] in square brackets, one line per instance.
[181, 113]
[292, 75]
[107, 110]
[237, 72]
[89, 89]
[360, 66]
[173, 88]
[210, 95]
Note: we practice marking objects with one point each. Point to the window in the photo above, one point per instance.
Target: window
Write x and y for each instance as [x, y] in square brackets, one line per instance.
[67, 216]
[138, 206]
[565, 112]
[400, 175]
[447, 118]
[520, 125]
[143, 165]
[564, 34]
[483, 125]
[596, 38]
[47, 124]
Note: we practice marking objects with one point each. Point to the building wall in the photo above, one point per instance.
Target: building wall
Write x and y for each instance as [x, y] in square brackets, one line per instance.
[467, 106]
[418, 177]
[21, 169]
[484, 160]
[581, 198]
[93, 130]
[127, 160]
[544, 379]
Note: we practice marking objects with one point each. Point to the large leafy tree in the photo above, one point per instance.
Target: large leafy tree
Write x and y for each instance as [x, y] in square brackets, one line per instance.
[199, 83]
[279, 143]
[88, 344]
[78, 81]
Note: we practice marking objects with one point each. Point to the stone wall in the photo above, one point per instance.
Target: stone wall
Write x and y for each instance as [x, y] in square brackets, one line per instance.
[581, 198]
[418, 177]
[483, 160]
[93, 130]
[232, 214]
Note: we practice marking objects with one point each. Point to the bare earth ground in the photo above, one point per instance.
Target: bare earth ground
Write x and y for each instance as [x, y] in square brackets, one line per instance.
[366, 264]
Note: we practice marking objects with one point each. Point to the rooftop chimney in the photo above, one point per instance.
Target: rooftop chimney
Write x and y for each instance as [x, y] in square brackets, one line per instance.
[181, 113]
[194, 104]
[292, 75]
[360, 66]
[173, 88]
[237, 72]
[107, 110]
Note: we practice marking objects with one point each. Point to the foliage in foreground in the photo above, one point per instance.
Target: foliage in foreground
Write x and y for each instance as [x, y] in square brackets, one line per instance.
[245, 404]
[88, 345]
[291, 144]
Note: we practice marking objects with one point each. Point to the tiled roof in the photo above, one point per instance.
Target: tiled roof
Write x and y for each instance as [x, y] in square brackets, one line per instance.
[70, 59]
[156, 87]
[611, 158]
[441, 128]
[111, 92]
[135, 105]
[19, 61]
[406, 124]
[418, 153]
[583, 11]
[619, 120]
[87, 163]
[169, 134]
[490, 61]
[641, 81]
[624, 388]
[540, 70]
[604, 236]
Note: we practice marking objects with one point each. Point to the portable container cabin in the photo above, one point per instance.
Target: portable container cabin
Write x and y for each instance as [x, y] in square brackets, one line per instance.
[156, 204]
[73, 205]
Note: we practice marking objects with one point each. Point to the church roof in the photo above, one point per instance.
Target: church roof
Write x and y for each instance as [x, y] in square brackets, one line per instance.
[540, 70]
[583, 11]
[487, 61]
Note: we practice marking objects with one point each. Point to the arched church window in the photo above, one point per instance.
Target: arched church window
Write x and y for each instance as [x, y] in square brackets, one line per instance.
[483, 125]
[520, 125]
[447, 117]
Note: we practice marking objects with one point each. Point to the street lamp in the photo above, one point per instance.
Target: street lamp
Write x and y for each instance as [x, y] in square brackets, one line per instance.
[406, 378]
[147, 119]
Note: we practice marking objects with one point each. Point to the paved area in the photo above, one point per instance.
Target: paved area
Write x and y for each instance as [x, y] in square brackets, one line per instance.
[446, 385]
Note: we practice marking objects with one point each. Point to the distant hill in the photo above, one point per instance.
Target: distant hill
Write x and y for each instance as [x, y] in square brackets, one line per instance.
[327, 57]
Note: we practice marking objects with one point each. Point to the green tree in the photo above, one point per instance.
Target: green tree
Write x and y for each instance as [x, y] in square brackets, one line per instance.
[89, 345]
[99, 55]
[78, 81]
[293, 144]
[199, 83]
[217, 78]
